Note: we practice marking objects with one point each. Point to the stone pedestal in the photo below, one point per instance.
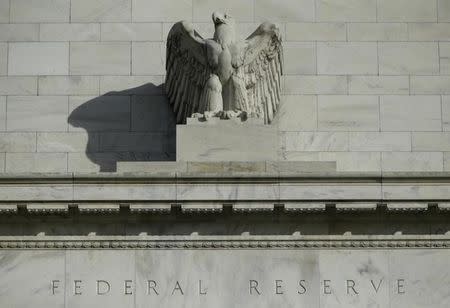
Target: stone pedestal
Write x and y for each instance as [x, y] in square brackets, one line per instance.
[227, 140]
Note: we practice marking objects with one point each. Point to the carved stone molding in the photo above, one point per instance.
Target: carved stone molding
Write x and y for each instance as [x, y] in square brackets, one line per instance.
[280, 242]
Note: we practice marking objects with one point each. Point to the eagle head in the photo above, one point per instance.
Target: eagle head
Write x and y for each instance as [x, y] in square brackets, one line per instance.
[222, 18]
[225, 28]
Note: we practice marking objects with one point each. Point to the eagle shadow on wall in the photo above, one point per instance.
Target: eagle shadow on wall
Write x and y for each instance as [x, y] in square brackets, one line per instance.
[135, 124]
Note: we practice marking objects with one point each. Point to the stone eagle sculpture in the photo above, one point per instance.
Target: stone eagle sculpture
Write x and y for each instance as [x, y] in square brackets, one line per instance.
[224, 77]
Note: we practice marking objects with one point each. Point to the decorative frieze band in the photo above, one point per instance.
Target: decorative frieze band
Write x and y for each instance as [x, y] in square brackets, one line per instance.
[399, 242]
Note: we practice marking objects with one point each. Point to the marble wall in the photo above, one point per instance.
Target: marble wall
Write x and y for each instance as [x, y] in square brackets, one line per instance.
[367, 82]
[225, 278]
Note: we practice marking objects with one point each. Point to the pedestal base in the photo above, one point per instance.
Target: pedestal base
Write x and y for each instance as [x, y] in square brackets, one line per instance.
[227, 140]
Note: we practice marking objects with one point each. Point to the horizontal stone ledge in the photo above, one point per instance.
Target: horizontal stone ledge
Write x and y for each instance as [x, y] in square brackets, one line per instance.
[227, 242]
[219, 207]
[234, 176]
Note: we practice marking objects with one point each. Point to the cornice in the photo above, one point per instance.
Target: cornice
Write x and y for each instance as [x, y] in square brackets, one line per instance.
[210, 207]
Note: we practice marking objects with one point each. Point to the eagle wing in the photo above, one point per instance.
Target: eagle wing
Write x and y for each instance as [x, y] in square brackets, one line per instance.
[187, 70]
[263, 68]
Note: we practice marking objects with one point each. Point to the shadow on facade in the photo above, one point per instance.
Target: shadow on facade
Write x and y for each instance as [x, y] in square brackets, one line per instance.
[135, 124]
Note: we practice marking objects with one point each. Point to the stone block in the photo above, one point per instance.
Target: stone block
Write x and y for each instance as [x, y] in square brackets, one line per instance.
[36, 162]
[297, 112]
[351, 262]
[357, 192]
[43, 192]
[241, 10]
[148, 58]
[161, 167]
[315, 141]
[315, 84]
[131, 142]
[348, 113]
[284, 10]
[446, 113]
[161, 10]
[37, 113]
[121, 192]
[19, 32]
[316, 31]
[104, 113]
[38, 59]
[345, 161]
[225, 193]
[67, 142]
[131, 85]
[36, 11]
[347, 58]
[410, 113]
[3, 58]
[407, 11]
[444, 52]
[302, 58]
[373, 32]
[81, 162]
[4, 11]
[2, 113]
[18, 85]
[86, 266]
[298, 167]
[422, 281]
[225, 167]
[430, 84]
[430, 141]
[428, 32]
[408, 58]
[226, 140]
[32, 270]
[378, 85]
[380, 142]
[151, 114]
[131, 31]
[100, 58]
[101, 11]
[346, 10]
[246, 263]
[447, 161]
[410, 162]
[68, 85]
[84, 32]
[444, 10]
[17, 142]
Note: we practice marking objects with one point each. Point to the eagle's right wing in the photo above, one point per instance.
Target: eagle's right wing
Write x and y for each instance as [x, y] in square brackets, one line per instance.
[187, 70]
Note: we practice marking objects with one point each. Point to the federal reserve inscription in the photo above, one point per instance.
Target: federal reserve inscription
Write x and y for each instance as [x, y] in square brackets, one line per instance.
[224, 278]
[249, 287]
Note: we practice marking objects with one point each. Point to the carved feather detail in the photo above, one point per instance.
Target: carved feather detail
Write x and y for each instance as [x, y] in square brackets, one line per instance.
[186, 70]
[263, 63]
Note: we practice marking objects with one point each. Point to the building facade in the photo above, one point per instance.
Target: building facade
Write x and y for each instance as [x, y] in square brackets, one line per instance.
[343, 201]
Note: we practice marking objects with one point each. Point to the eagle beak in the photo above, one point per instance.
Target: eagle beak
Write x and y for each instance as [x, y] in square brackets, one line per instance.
[218, 19]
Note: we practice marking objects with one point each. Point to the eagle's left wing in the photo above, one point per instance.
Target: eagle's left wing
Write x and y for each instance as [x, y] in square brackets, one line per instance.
[263, 68]
[187, 70]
